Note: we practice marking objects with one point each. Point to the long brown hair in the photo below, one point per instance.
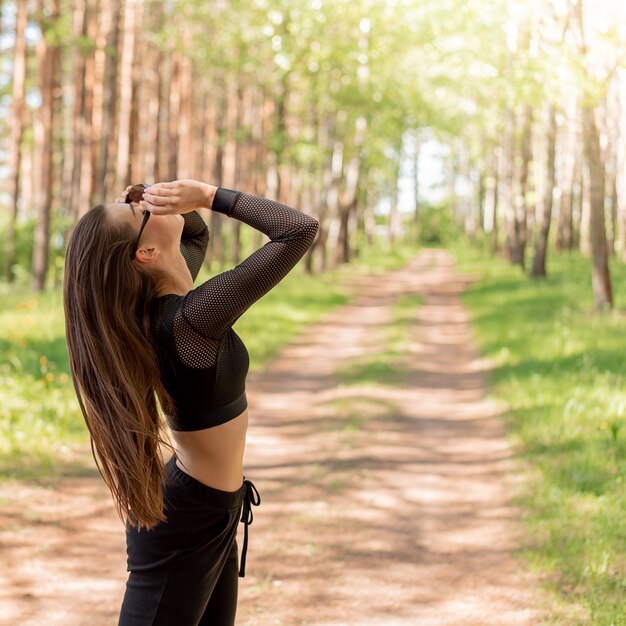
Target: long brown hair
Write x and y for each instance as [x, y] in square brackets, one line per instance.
[113, 362]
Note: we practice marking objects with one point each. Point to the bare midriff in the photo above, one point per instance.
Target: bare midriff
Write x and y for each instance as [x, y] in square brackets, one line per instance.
[214, 456]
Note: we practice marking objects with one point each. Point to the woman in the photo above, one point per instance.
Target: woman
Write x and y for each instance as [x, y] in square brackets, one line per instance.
[136, 326]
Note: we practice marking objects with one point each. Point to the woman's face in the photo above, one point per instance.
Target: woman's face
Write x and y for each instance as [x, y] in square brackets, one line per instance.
[161, 233]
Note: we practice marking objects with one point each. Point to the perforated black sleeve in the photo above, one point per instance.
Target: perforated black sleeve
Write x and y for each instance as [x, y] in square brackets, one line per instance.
[215, 305]
[194, 241]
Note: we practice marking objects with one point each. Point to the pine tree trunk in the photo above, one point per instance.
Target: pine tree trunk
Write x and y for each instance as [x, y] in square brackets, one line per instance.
[86, 123]
[105, 19]
[621, 167]
[521, 208]
[216, 242]
[369, 222]
[102, 184]
[584, 222]
[481, 194]
[416, 177]
[335, 168]
[229, 157]
[162, 165]
[258, 154]
[527, 208]
[601, 280]
[508, 196]
[185, 119]
[139, 121]
[541, 245]
[49, 63]
[79, 31]
[174, 114]
[495, 242]
[577, 204]
[395, 225]
[14, 148]
[111, 119]
[567, 174]
[316, 172]
[149, 117]
[348, 198]
[611, 183]
[125, 96]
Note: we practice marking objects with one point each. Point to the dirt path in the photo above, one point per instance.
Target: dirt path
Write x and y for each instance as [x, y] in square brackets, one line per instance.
[381, 505]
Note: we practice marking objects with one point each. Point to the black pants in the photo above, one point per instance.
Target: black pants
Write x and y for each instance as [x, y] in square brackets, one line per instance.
[183, 572]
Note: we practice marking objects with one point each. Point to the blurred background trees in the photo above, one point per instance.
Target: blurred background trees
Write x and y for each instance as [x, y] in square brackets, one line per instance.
[325, 106]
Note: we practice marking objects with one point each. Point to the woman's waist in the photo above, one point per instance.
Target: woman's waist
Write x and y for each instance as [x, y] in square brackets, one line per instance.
[214, 455]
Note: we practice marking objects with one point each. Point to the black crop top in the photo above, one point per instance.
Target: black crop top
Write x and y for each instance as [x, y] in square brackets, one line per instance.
[204, 363]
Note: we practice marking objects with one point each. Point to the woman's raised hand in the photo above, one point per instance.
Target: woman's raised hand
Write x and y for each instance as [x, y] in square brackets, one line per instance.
[179, 196]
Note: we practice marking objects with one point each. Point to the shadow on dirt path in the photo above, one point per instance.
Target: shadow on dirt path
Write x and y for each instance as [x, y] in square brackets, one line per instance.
[382, 504]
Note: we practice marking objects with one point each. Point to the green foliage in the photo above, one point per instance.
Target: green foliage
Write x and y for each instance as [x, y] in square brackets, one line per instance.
[560, 367]
[436, 226]
[24, 243]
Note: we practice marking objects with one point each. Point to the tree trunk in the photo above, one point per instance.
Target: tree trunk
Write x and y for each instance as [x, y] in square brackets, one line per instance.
[162, 165]
[229, 157]
[517, 232]
[216, 242]
[348, 198]
[577, 203]
[511, 224]
[88, 131]
[316, 170]
[567, 175]
[185, 119]
[79, 32]
[14, 149]
[495, 202]
[395, 225]
[111, 115]
[417, 146]
[139, 122]
[601, 280]
[369, 222]
[584, 222]
[49, 62]
[125, 96]
[174, 114]
[332, 199]
[541, 245]
[611, 182]
[102, 183]
[149, 133]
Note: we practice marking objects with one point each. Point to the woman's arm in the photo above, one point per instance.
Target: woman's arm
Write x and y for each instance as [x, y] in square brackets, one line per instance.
[215, 305]
[194, 241]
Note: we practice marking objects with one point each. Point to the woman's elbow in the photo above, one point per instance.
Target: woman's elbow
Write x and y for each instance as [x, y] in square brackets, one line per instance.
[311, 228]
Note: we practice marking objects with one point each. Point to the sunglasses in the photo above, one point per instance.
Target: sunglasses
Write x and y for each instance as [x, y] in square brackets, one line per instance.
[135, 194]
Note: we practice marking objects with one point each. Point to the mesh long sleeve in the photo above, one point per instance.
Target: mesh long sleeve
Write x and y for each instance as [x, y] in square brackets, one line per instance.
[194, 241]
[215, 305]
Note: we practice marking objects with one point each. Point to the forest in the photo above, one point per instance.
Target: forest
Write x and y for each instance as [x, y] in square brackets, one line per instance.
[493, 129]
[316, 104]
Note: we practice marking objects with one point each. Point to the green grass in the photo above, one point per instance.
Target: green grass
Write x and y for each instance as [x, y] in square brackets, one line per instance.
[562, 370]
[42, 432]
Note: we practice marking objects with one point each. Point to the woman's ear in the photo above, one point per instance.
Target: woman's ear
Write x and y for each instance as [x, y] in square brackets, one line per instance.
[147, 254]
